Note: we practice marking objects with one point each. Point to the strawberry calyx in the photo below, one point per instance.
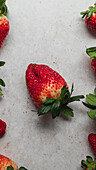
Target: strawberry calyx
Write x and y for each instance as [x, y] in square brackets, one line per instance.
[89, 12]
[91, 52]
[1, 81]
[91, 103]
[3, 8]
[89, 164]
[11, 168]
[59, 105]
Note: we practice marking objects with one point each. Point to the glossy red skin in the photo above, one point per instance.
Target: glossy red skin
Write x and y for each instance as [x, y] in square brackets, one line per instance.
[91, 22]
[2, 128]
[92, 141]
[42, 82]
[93, 64]
[4, 29]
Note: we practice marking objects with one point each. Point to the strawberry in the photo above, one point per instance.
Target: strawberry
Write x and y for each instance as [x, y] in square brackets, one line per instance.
[89, 164]
[91, 103]
[92, 53]
[1, 81]
[49, 91]
[8, 164]
[4, 23]
[2, 128]
[90, 17]
[92, 141]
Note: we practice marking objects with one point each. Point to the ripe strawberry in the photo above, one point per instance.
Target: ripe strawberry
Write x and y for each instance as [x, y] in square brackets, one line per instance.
[2, 128]
[91, 103]
[92, 53]
[92, 141]
[8, 164]
[89, 164]
[90, 17]
[4, 23]
[49, 90]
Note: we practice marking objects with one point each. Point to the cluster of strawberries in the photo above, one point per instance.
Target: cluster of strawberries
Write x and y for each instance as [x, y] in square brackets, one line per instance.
[49, 91]
[5, 163]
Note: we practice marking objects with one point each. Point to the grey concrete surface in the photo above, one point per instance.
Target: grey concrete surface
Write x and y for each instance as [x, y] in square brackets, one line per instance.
[49, 32]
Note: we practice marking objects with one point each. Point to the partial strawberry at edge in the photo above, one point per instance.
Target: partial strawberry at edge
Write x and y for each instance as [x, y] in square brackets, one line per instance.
[2, 128]
[89, 164]
[90, 17]
[49, 90]
[92, 141]
[91, 104]
[92, 53]
[5, 162]
[93, 64]
[8, 164]
[4, 23]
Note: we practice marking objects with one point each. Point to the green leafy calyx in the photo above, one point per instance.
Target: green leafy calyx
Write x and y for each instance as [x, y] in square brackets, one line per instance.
[59, 105]
[91, 103]
[89, 164]
[11, 168]
[3, 8]
[89, 12]
[91, 52]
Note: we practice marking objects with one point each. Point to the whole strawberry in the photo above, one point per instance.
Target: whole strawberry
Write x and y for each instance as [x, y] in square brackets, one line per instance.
[92, 141]
[4, 23]
[49, 90]
[92, 53]
[89, 164]
[90, 17]
[8, 164]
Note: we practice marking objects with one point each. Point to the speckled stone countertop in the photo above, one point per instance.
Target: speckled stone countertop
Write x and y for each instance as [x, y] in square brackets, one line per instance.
[49, 32]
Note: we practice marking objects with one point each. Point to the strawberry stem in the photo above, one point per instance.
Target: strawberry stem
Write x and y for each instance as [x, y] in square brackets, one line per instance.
[89, 163]
[91, 52]
[89, 12]
[59, 105]
[91, 103]
[3, 8]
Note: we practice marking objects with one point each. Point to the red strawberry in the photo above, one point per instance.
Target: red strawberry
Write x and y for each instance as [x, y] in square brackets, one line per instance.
[92, 141]
[2, 128]
[49, 90]
[8, 164]
[4, 23]
[90, 17]
[92, 53]
[89, 164]
[93, 63]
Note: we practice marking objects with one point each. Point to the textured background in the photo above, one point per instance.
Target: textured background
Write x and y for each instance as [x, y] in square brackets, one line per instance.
[49, 32]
